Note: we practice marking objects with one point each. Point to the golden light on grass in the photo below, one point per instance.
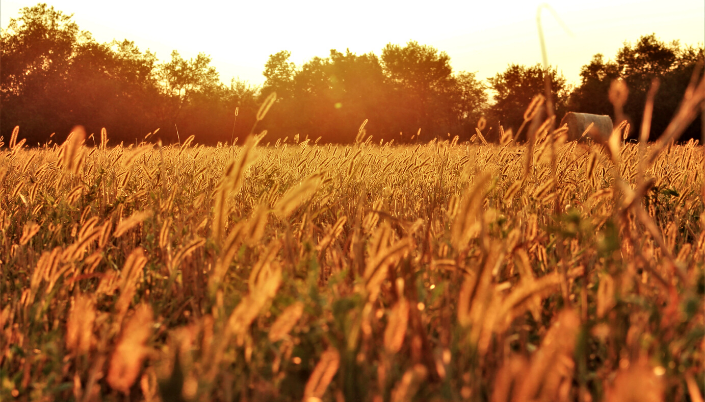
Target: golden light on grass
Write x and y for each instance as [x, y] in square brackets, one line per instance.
[129, 276]
[131, 349]
[322, 374]
[79, 327]
[396, 328]
[286, 321]
[410, 382]
[231, 182]
[135, 219]
[298, 195]
[549, 270]
[13, 137]
[71, 155]
[29, 230]
[637, 382]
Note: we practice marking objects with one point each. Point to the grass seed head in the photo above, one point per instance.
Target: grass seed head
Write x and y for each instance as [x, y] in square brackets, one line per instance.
[126, 360]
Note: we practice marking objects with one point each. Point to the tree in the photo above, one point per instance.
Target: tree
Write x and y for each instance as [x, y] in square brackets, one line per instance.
[181, 79]
[591, 95]
[36, 47]
[279, 73]
[516, 86]
[210, 113]
[418, 67]
[327, 97]
[469, 102]
[420, 75]
[55, 77]
[35, 55]
[405, 89]
[359, 92]
[647, 59]
[108, 82]
[638, 64]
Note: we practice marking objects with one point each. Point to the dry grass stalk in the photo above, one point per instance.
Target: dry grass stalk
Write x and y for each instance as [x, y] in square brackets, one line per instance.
[511, 191]
[129, 223]
[480, 136]
[126, 361]
[552, 364]
[256, 225]
[13, 137]
[396, 328]
[532, 111]
[477, 299]
[79, 326]
[298, 195]
[103, 139]
[268, 102]
[506, 137]
[265, 276]
[523, 264]
[322, 374]
[618, 94]
[231, 182]
[185, 251]
[693, 390]
[468, 220]
[527, 296]
[230, 247]
[332, 234]
[285, 322]
[77, 249]
[105, 231]
[409, 384]
[509, 377]
[129, 276]
[637, 382]
[605, 296]
[377, 266]
[164, 233]
[361, 133]
[71, 155]
[28, 231]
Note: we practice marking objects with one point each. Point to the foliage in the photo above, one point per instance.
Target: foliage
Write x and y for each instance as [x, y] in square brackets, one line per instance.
[638, 64]
[515, 87]
[407, 89]
[182, 79]
[55, 77]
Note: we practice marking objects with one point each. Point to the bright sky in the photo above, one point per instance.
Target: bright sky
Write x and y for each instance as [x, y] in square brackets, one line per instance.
[480, 36]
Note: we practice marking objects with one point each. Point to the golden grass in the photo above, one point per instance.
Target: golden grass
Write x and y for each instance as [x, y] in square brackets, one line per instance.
[440, 271]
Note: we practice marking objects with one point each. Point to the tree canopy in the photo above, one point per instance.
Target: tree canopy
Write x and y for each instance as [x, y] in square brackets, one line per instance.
[638, 64]
[515, 87]
[55, 76]
[409, 88]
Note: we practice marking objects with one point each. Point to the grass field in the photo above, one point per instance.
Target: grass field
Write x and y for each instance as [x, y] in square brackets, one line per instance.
[297, 271]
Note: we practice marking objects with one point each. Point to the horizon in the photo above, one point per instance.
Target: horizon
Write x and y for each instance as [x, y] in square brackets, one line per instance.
[485, 46]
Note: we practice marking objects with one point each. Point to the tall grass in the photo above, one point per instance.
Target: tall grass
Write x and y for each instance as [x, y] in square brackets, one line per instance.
[443, 271]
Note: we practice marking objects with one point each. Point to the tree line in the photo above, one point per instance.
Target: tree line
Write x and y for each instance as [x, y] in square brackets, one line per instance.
[54, 76]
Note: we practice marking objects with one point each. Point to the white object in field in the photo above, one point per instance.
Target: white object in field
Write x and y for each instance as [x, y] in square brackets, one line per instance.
[579, 122]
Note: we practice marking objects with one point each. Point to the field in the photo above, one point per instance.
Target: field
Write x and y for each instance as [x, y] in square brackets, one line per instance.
[372, 272]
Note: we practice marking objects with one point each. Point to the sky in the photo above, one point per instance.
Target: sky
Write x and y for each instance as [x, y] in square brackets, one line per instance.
[479, 36]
